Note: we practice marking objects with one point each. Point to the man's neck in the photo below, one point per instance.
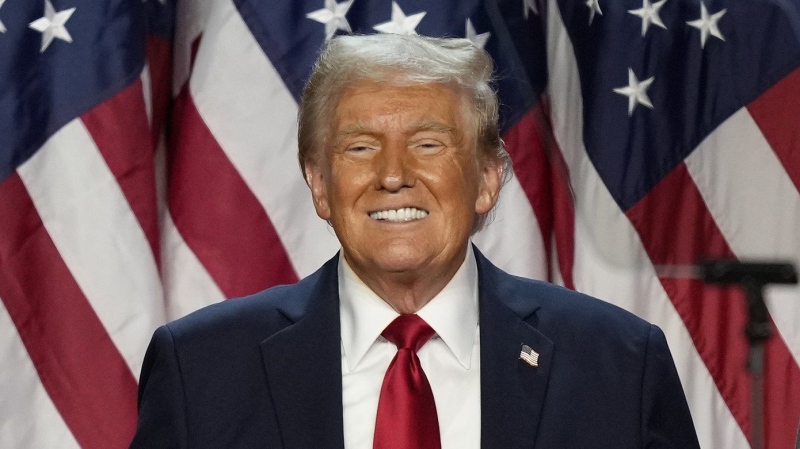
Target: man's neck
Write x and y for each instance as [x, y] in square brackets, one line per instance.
[408, 292]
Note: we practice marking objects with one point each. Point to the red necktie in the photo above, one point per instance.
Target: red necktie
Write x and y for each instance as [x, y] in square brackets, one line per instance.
[406, 411]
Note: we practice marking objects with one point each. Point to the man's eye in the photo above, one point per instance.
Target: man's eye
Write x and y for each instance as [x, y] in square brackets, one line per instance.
[429, 146]
[359, 149]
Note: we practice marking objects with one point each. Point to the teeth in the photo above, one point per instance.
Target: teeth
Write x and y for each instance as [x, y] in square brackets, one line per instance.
[399, 215]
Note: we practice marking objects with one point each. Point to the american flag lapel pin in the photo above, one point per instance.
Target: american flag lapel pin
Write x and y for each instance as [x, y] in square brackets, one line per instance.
[529, 356]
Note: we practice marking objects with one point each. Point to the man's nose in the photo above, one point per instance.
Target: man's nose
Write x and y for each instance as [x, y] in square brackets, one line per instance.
[393, 167]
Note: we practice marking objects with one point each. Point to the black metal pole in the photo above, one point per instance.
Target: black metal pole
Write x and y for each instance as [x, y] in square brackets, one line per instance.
[753, 276]
[758, 331]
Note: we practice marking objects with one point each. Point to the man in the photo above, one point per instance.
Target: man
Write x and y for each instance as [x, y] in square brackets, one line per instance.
[409, 338]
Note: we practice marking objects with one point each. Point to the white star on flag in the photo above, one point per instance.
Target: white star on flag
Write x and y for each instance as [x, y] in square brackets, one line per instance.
[649, 14]
[529, 5]
[707, 24]
[636, 92]
[478, 40]
[400, 24]
[332, 15]
[2, 27]
[52, 25]
[594, 7]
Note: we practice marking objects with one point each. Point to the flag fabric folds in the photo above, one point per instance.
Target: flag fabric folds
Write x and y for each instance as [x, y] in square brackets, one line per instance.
[148, 168]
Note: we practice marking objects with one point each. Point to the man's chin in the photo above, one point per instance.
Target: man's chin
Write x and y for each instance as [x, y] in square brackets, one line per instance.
[398, 264]
[392, 260]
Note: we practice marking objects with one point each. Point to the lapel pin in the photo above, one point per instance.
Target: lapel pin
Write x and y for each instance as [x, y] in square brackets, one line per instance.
[529, 356]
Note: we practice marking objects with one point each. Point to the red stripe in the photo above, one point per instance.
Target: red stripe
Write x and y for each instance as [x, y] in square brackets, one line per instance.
[777, 114]
[781, 395]
[676, 228]
[524, 143]
[78, 364]
[159, 62]
[217, 214]
[544, 177]
[119, 128]
[563, 205]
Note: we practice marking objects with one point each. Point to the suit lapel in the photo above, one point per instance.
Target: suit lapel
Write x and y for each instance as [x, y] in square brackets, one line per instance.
[303, 368]
[512, 391]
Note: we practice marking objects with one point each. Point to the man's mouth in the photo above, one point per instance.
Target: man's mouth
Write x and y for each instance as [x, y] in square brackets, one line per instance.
[399, 215]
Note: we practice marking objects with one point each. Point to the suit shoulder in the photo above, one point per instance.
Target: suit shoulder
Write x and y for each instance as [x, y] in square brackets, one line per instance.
[559, 310]
[261, 314]
[574, 302]
[534, 298]
[260, 308]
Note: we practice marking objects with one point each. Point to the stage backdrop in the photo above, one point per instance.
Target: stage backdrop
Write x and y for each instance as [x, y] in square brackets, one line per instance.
[148, 168]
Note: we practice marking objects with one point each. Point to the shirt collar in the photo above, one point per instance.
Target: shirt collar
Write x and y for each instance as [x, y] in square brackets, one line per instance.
[452, 313]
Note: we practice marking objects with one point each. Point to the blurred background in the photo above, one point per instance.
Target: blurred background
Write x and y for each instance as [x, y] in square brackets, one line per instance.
[148, 168]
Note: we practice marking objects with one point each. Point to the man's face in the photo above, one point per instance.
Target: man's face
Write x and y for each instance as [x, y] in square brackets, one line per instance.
[402, 182]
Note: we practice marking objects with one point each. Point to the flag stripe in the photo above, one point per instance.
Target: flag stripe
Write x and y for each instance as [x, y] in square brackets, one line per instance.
[739, 176]
[777, 114]
[97, 235]
[78, 364]
[609, 260]
[188, 286]
[781, 395]
[525, 144]
[542, 172]
[522, 255]
[235, 242]
[563, 204]
[713, 316]
[265, 155]
[120, 130]
[723, 169]
[30, 419]
[563, 216]
[159, 67]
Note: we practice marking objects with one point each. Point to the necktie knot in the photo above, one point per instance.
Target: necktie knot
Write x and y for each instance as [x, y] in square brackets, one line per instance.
[408, 332]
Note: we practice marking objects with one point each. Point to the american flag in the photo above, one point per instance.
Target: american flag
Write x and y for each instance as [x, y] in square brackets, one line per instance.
[529, 356]
[148, 168]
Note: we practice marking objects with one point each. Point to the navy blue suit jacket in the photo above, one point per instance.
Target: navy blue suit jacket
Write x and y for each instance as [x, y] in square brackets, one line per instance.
[265, 372]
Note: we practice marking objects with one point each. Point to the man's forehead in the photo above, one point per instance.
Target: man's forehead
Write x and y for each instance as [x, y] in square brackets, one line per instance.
[420, 105]
[421, 124]
[384, 87]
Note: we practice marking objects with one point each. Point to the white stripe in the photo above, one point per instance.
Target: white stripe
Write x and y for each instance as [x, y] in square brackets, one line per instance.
[756, 206]
[147, 93]
[28, 418]
[191, 19]
[513, 240]
[246, 106]
[98, 236]
[187, 284]
[610, 261]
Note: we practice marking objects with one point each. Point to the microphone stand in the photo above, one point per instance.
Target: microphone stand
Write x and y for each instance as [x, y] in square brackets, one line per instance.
[753, 277]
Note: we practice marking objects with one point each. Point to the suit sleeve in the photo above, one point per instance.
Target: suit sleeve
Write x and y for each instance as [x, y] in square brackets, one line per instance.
[666, 421]
[162, 413]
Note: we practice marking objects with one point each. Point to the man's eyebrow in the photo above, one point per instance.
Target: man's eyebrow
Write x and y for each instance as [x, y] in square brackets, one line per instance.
[434, 126]
[349, 131]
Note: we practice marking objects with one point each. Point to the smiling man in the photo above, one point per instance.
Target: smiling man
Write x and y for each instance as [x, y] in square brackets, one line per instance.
[409, 338]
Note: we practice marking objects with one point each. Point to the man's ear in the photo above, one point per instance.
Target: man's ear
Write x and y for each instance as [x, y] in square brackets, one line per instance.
[491, 181]
[315, 178]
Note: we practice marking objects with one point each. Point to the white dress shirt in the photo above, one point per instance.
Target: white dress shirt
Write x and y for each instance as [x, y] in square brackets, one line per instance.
[451, 359]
